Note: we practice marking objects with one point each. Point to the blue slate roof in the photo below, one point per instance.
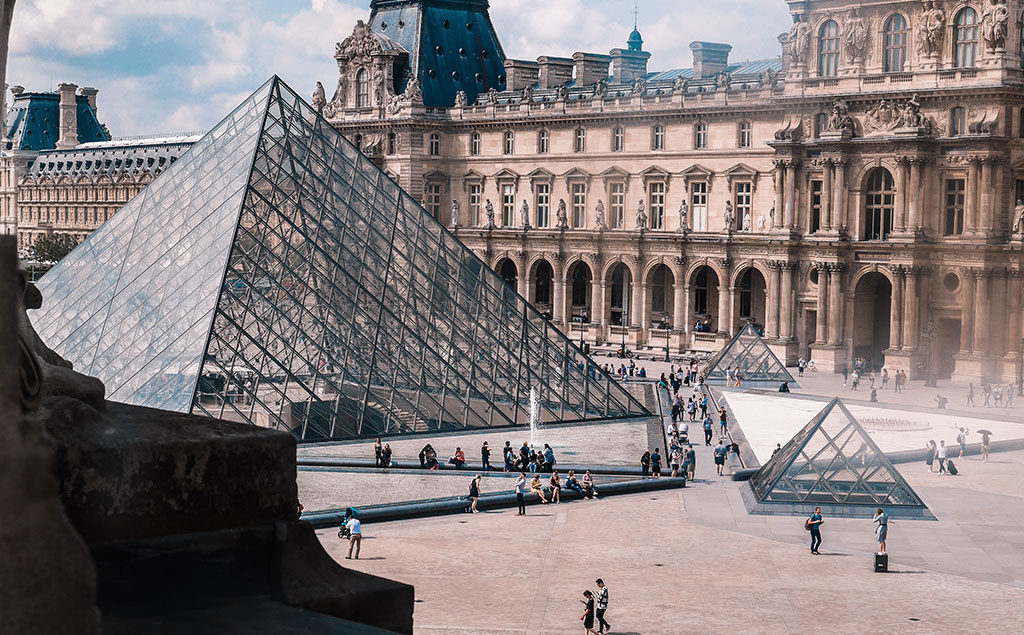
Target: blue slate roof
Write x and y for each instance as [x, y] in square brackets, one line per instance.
[452, 45]
[755, 67]
[33, 122]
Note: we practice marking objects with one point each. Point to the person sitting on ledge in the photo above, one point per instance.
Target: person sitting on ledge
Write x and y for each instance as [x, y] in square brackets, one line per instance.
[535, 488]
[430, 458]
[459, 459]
[784, 386]
[588, 486]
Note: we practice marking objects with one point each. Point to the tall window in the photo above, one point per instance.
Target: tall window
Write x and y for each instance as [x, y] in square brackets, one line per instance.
[657, 205]
[618, 204]
[620, 310]
[746, 134]
[820, 124]
[1020, 116]
[744, 204]
[580, 286]
[956, 190]
[746, 293]
[543, 204]
[701, 290]
[658, 138]
[580, 142]
[434, 199]
[660, 290]
[700, 136]
[474, 144]
[895, 44]
[965, 38]
[878, 205]
[579, 205]
[815, 206]
[543, 142]
[509, 146]
[508, 205]
[435, 145]
[475, 194]
[828, 49]
[392, 143]
[699, 206]
[618, 139]
[542, 283]
[363, 89]
[957, 121]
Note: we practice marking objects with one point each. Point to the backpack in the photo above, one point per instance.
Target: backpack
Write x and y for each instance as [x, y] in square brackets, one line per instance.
[951, 468]
[807, 524]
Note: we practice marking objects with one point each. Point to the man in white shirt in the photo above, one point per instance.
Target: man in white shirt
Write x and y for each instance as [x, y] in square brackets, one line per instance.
[942, 457]
[355, 538]
[602, 606]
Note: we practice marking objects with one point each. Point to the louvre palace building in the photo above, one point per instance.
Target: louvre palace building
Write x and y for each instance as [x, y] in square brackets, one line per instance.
[855, 197]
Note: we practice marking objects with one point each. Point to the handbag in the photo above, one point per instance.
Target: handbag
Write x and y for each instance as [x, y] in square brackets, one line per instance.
[807, 524]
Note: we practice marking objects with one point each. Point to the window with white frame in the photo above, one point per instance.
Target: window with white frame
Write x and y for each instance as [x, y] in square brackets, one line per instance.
[363, 89]
[475, 196]
[700, 136]
[895, 43]
[618, 139]
[617, 196]
[580, 140]
[828, 49]
[433, 199]
[957, 121]
[474, 144]
[509, 145]
[435, 144]
[543, 204]
[656, 199]
[658, 138]
[543, 141]
[579, 205]
[746, 134]
[965, 38]
[508, 205]
[744, 203]
[699, 205]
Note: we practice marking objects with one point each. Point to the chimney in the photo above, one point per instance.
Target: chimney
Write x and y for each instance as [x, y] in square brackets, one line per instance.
[554, 71]
[68, 117]
[709, 58]
[628, 65]
[17, 90]
[590, 68]
[521, 73]
[90, 95]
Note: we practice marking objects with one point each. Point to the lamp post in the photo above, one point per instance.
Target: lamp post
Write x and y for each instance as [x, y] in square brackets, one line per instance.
[667, 323]
[1020, 372]
[625, 327]
[929, 335]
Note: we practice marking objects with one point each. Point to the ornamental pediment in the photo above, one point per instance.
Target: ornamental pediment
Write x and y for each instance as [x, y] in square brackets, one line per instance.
[576, 174]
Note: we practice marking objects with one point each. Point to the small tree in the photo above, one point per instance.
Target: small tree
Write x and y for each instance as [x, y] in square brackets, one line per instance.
[52, 247]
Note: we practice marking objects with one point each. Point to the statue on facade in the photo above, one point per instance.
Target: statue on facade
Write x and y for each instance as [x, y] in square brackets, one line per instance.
[746, 220]
[461, 99]
[412, 89]
[524, 215]
[728, 216]
[381, 94]
[641, 216]
[561, 216]
[680, 85]
[684, 213]
[599, 216]
[337, 102]
[639, 86]
[527, 97]
[456, 207]
[799, 40]
[840, 120]
[489, 214]
[722, 81]
[771, 218]
[855, 37]
[1018, 217]
[910, 117]
[762, 222]
[600, 89]
[994, 24]
[562, 92]
[930, 30]
[768, 79]
[319, 98]
[492, 97]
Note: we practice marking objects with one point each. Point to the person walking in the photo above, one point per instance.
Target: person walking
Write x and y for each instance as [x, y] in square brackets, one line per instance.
[602, 606]
[813, 525]
[723, 422]
[645, 463]
[970, 395]
[521, 493]
[986, 438]
[691, 409]
[691, 462]
[378, 453]
[941, 456]
[846, 373]
[986, 395]
[1009, 395]
[721, 450]
[588, 614]
[885, 378]
[931, 451]
[656, 463]
[485, 457]
[474, 493]
[961, 439]
[355, 536]
[881, 521]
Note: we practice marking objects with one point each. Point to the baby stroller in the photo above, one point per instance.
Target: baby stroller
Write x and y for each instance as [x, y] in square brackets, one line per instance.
[343, 531]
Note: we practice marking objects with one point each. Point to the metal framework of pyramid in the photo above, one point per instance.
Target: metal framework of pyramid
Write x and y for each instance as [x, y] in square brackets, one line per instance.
[748, 353]
[275, 275]
[833, 463]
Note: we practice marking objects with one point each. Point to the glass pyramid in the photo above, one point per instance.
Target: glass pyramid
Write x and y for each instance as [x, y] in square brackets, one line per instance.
[832, 462]
[275, 275]
[748, 353]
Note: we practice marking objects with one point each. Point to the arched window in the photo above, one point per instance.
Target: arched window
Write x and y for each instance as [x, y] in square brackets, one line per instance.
[658, 138]
[701, 291]
[435, 145]
[580, 142]
[509, 145]
[700, 136]
[878, 205]
[543, 142]
[363, 89]
[957, 121]
[543, 276]
[618, 139]
[746, 134]
[965, 38]
[895, 44]
[474, 144]
[828, 49]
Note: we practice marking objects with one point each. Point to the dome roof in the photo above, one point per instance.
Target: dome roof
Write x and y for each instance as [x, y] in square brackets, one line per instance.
[635, 41]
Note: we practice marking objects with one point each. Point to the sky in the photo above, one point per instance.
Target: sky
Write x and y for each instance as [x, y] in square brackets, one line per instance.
[166, 66]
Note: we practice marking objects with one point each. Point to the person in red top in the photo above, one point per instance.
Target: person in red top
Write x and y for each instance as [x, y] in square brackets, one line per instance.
[459, 459]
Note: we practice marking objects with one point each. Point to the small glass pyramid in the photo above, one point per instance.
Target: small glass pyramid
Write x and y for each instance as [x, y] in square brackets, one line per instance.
[833, 463]
[747, 352]
[275, 275]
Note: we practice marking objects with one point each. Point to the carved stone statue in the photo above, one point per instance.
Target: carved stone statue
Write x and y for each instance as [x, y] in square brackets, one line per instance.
[561, 216]
[562, 92]
[337, 102]
[639, 86]
[394, 105]
[910, 117]
[930, 30]
[489, 213]
[319, 98]
[840, 120]
[601, 89]
[799, 40]
[855, 37]
[771, 218]
[492, 97]
[528, 94]
[412, 89]
[762, 222]
[728, 216]
[1018, 218]
[641, 216]
[684, 214]
[746, 220]
[380, 86]
[994, 23]
[461, 99]
[524, 215]
[456, 207]
[722, 81]
[599, 216]
[680, 85]
[768, 79]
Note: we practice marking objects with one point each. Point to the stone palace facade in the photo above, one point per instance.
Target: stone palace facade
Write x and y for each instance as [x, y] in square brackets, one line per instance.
[856, 197]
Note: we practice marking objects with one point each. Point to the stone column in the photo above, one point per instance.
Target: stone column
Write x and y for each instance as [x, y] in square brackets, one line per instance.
[835, 303]
[985, 211]
[600, 312]
[687, 323]
[789, 217]
[896, 309]
[826, 198]
[914, 194]
[558, 313]
[786, 301]
[972, 193]
[732, 311]
[780, 184]
[910, 309]
[680, 319]
[772, 309]
[724, 327]
[901, 194]
[820, 321]
[981, 312]
[636, 301]
[839, 192]
[967, 312]
[523, 283]
[645, 314]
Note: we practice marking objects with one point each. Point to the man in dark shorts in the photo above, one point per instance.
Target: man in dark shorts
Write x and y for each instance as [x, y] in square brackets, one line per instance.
[720, 452]
[656, 463]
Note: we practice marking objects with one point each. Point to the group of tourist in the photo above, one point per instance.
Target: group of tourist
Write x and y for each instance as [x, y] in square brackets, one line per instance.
[551, 493]
[899, 379]
[814, 522]
[990, 393]
[940, 453]
[528, 459]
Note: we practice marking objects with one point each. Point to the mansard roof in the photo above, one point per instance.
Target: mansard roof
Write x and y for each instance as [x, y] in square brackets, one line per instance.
[33, 122]
[133, 157]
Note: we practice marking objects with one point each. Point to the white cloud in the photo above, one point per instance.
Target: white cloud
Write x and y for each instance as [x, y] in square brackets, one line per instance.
[67, 25]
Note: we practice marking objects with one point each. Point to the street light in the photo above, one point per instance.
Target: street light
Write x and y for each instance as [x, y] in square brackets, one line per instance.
[929, 335]
[667, 324]
[1020, 373]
